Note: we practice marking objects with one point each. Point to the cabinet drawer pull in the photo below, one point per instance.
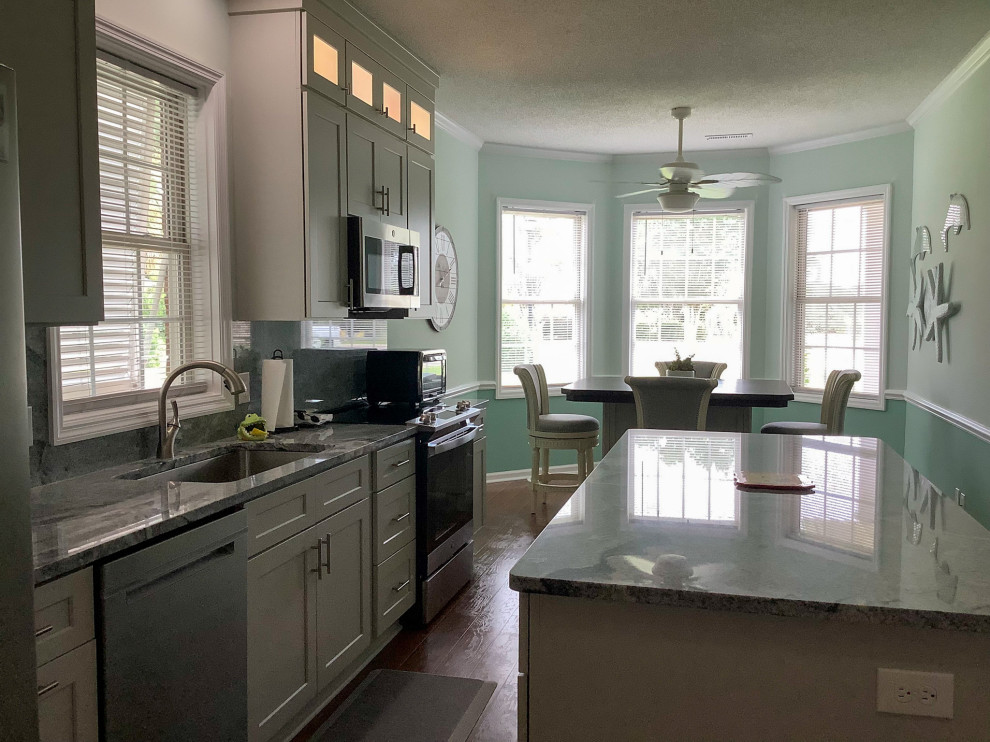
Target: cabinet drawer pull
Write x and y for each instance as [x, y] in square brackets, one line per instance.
[400, 518]
[47, 689]
[397, 464]
[400, 588]
[44, 630]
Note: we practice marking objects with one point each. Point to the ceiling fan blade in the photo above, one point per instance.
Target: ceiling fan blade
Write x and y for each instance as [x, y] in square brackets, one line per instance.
[711, 190]
[639, 193]
[742, 180]
[658, 184]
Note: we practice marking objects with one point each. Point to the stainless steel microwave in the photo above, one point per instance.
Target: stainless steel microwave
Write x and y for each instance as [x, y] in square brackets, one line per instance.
[382, 266]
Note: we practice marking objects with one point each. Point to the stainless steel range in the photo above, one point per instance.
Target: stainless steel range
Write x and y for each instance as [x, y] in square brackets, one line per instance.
[445, 486]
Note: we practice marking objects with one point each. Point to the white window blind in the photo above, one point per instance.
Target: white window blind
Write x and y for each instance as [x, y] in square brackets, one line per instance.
[543, 256]
[346, 333]
[687, 289]
[156, 265]
[838, 276]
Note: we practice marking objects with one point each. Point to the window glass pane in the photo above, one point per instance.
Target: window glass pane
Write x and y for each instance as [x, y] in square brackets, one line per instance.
[325, 60]
[346, 333]
[392, 102]
[543, 263]
[838, 292]
[419, 119]
[362, 84]
[687, 283]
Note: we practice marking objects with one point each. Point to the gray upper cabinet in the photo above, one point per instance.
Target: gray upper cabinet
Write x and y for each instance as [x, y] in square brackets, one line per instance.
[289, 166]
[320, 98]
[420, 198]
[51, 44]
[324, 64]
[376, 173]
[344, 590]
[420, 118]
[282, 640]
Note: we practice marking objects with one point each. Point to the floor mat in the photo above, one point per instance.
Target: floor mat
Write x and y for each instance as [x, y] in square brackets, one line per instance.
[396, 706]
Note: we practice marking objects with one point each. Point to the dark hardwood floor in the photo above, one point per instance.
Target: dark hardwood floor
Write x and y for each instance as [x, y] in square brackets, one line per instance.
[477, 634]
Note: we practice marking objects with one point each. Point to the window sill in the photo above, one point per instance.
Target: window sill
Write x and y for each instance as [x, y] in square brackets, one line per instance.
[862, 403]
[83, 426]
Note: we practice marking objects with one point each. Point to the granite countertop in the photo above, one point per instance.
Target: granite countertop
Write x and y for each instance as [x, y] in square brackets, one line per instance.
[77, 522]
[660, 521]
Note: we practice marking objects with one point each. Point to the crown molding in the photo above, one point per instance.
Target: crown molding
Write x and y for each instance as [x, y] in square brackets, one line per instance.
[458, 132]
[954, 80]
[852, 136]
[545, 154]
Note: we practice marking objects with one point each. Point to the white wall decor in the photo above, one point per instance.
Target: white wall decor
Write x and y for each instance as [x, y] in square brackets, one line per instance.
[916, 307]
[937, 308]
[956, 217]
[922, 240]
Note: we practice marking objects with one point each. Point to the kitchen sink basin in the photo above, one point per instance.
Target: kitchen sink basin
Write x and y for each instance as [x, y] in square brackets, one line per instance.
[231, 466]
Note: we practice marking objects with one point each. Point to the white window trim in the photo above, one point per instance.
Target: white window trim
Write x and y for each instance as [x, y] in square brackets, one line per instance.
[211, 134]
[748, 208]
[790, 229]
[523, 203]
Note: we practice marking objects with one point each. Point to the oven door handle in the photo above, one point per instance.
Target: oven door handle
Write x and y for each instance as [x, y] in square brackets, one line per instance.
[460, 437]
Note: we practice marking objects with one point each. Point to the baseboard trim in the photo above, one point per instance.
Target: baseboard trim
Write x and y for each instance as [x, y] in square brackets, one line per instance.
[962, 422]
[517, 474]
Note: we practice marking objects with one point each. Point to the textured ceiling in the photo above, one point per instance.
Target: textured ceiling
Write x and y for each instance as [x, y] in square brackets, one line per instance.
[601, 75]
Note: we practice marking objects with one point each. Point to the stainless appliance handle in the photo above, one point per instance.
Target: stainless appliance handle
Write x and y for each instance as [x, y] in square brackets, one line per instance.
[460, 437]
[411, 252]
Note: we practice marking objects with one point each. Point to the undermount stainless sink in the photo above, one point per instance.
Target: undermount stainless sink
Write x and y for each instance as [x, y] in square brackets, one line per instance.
[232, 466]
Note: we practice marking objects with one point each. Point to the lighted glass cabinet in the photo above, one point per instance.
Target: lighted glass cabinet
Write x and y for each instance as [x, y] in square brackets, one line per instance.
[374, 92]
[325, 57]
[420, 117]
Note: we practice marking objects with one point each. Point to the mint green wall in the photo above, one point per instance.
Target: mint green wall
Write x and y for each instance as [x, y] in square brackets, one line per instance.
[952, 155]
[457, 210]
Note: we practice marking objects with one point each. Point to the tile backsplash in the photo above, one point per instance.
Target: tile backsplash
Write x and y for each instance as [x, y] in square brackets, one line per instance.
[332, 375]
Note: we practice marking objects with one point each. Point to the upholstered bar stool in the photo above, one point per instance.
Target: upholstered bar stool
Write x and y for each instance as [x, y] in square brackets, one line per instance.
[702, 369]
[835, 398]
[671, 402]
[554, 431]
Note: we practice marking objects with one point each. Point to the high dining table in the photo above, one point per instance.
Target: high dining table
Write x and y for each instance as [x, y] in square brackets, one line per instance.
[729, 410]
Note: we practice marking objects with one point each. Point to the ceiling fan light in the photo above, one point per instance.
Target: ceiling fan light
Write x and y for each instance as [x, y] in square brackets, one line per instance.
[678, 203]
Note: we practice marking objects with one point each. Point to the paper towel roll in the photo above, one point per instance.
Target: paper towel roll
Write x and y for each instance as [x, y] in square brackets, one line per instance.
[277, 399]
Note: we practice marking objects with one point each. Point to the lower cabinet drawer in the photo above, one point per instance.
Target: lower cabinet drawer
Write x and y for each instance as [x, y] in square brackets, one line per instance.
[63, 614]
[395, 518]
[395, 463]
[395, 587]
[67, 700]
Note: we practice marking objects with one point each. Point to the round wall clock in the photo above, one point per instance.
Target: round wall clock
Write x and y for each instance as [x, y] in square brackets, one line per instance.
[444, 271]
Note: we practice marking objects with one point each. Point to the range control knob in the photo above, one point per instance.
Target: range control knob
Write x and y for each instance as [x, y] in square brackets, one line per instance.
[463, 405]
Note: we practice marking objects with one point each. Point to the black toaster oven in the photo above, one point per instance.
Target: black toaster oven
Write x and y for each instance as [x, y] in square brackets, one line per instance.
[406, 377]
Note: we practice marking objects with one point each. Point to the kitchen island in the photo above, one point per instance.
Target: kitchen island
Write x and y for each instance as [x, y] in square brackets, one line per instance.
[663, 603]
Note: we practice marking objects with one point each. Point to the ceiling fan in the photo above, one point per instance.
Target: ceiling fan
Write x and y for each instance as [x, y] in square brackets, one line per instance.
[683, 183]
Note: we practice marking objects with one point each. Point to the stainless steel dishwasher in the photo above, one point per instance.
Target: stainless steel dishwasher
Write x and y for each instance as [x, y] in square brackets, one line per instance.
[174, 638]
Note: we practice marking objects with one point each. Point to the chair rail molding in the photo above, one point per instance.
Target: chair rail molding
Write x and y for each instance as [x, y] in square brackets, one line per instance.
[967, 424]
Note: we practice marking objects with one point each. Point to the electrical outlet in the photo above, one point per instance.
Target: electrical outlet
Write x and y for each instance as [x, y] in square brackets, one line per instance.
[915, 693]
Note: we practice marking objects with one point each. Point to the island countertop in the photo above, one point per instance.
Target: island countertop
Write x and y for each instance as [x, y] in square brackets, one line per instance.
[660, 521]
[77, 522]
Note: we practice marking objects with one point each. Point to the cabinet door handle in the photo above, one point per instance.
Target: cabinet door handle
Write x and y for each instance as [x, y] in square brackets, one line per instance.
[388, 202]
[400, 588]
[45, 630]
[381, 193]
[319, 557]
[413, 129]
[44, 690]
[327, 563]
[346, 88]
[384, 112]
[400, 518]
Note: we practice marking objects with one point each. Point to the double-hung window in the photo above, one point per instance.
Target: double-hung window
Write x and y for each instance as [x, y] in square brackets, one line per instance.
[160, 258]
[543, 261]
[345, 333]
[835, 302]
[687, 287]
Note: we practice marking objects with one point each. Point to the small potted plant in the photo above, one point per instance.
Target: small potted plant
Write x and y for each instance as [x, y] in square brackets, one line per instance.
[681, 366]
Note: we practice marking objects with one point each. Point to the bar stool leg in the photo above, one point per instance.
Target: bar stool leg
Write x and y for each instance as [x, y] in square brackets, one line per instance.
[535, 475]
[582, 465]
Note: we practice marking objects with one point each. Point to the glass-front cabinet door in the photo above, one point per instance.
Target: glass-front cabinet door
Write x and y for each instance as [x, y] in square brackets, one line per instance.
[391, 103]
[363, 74]
[324, 64]
[419, 120]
